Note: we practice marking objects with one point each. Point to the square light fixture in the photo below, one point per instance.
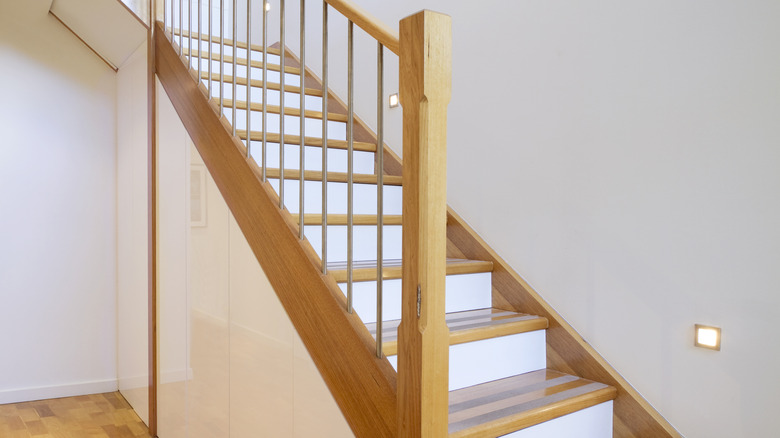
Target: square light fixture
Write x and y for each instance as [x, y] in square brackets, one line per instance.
[394, 100]
[267, 6]
[707, 337]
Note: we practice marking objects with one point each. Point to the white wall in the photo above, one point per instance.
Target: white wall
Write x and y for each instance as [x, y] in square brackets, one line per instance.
[58, 210]
[623, 157]
[132, 233]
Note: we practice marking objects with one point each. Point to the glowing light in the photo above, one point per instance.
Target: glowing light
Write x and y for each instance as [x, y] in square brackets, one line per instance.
[707, 337]
[394, 100]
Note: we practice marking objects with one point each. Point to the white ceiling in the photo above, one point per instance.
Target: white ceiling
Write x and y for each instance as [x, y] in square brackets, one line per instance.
[105, 25]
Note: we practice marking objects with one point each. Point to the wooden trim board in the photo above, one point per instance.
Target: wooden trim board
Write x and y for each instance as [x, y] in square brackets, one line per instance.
[363, 385]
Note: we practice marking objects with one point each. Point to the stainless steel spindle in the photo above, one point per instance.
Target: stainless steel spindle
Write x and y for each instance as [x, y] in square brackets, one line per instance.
[181, 27]
[221, 57]
[249, 78]
[189, 33]
[350, 185]
[165, 15]
[200, 40]
[281, 104]
[235, 64]
[301, 82]
[265, 81]
[210, 50]
[324, 137]
[380, 126]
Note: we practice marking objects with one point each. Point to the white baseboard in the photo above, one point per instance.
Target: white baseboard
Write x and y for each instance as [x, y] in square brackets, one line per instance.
[46, 392]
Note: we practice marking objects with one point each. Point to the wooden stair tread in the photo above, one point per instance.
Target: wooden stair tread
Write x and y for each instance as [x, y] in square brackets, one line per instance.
[506, 405]
[365, 270]
[469, 326]
[227, 42]
[242, 61]
[274, 109]
[258, 83]
[341, 219]
[338, 177]
[308, 141]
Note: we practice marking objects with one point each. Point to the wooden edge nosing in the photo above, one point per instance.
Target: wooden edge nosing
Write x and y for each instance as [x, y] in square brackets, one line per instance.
[103, 58]
[538, 415]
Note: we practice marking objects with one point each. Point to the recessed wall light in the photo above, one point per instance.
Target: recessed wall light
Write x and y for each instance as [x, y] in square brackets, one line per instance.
[707, 337]
[393, 100]
[267, 6]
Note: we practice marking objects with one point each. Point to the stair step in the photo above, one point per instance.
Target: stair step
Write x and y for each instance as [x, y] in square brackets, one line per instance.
[242, 61]
[365, 270]
[507, 405]
[309, 141]
[337, 177]
[258, 83]
[226, 41]
[274, 109]
[357, 219]
[469, 326]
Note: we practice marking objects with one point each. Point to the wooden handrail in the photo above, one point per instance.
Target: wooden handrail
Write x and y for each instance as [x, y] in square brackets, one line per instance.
[377, 29]
[423, 337]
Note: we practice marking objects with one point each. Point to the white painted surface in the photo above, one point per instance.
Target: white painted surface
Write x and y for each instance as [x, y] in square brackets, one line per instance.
[464, 292]
[364, 238]
[249, 372]
[58, 221]
[106, 25]
[592, 422]
[364, 197]
[628, 170]
[132, 234]
[491, 359]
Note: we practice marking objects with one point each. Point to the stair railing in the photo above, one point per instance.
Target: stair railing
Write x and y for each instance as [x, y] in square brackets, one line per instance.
[424, 51]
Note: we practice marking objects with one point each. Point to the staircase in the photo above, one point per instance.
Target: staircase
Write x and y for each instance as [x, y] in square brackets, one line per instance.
[498, 377]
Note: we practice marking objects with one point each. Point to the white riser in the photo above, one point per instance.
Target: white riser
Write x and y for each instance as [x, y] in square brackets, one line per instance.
[364, 237]
[363, 162]
[364, 197]
[464, 292]
[491, 359]
[592, 422]
[215, 48]
[290, 79]
[291, 100]
[292, 124]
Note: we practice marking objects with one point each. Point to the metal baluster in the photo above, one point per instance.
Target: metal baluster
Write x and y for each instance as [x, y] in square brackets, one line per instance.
[324, 137]
[350, 185]
[181, 27]
[165, 15]
[249, 78]
[302, 118]
[200, 40]
[235, 63]
[221, 56]
[189, 34]
[210, 50]
[265, 80]
[281, 105]
[380, 126]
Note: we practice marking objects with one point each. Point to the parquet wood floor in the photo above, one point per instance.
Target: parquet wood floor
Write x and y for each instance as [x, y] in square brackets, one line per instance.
[88, 416]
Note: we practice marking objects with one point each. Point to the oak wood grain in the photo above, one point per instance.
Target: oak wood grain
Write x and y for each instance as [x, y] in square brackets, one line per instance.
[423, 337]
[373, 26]
[340, 345]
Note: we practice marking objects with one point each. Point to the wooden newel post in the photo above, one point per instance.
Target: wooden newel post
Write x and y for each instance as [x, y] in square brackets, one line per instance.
[423, 359]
